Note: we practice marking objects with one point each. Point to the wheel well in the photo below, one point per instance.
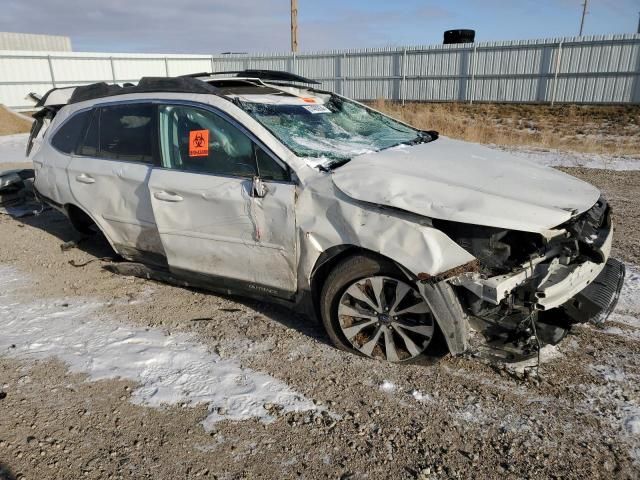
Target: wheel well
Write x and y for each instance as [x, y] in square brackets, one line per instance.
[332, 257]
[76, 214]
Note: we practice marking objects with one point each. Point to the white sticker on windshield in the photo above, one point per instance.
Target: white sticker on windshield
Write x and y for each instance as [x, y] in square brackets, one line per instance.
[316, 108]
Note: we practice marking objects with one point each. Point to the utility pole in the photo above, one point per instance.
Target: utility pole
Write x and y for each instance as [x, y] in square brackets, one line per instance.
[638, 22]
[294, 26]
[584, 12]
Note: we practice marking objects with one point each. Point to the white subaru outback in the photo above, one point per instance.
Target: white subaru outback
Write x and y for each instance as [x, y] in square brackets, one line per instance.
[256, 183]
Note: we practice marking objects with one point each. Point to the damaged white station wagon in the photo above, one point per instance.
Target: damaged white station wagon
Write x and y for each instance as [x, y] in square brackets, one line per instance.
[403, 243]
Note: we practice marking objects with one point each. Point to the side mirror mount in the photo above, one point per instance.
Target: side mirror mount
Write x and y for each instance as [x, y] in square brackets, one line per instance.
[258, 188]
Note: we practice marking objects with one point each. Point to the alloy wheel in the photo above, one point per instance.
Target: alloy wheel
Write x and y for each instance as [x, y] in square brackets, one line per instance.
[386, 318]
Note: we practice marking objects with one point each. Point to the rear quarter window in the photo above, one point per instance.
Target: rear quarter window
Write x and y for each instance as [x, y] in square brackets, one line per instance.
[67, 137]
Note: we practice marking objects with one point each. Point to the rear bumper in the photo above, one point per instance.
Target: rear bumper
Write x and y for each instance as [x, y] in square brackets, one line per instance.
[48, 201]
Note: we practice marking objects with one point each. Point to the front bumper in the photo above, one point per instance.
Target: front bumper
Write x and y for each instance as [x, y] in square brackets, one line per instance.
[574, 280]
[596, 302]
[554, 283]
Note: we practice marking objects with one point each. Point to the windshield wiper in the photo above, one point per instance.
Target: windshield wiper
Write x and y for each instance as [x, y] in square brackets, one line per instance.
[424, 136]
[333, 164]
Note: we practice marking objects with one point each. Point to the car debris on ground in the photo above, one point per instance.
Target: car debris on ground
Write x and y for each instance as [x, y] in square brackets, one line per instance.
[17, 197]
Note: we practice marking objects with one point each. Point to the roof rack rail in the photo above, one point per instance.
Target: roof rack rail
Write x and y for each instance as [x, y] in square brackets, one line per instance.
[274, 75]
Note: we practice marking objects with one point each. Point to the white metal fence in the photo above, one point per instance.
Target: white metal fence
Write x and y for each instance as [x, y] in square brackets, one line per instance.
[599, 69]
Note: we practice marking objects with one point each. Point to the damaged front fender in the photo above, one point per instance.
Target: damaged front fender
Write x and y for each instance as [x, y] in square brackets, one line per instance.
[407, 239]
[448, 313]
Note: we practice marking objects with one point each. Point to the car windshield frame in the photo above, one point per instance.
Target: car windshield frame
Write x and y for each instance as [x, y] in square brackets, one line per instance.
[337, 145]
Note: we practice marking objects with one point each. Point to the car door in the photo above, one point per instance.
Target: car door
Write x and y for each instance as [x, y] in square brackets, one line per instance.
[216, 214]
[109, 177]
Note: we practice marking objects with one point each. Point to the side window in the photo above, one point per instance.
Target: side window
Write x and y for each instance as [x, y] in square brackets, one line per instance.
[126, 132]
[89, 146]
[269, 169]
[197, 140]
[66, 138]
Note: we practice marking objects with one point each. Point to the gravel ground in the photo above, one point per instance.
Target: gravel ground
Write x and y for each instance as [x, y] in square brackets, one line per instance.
[459, 418]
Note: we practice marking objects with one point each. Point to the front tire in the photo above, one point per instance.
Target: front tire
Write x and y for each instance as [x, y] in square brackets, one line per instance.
[369, 308]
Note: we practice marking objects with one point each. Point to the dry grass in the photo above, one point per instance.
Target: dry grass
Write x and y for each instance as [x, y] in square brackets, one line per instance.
[613, 130]
[11, 123]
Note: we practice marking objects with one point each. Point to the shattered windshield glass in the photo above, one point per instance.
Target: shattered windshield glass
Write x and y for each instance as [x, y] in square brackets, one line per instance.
[333, 132]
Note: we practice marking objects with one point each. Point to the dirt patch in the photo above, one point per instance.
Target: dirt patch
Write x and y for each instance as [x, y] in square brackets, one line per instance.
[12, 122]
[582, 128]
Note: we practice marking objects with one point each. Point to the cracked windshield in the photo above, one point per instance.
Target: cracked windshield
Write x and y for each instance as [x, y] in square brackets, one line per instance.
[337, 130]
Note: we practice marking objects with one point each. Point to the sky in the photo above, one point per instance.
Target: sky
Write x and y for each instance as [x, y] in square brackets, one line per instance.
[214, 26]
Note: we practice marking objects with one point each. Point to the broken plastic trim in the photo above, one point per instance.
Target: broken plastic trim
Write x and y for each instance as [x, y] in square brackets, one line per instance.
[596, 302]
[36, 126]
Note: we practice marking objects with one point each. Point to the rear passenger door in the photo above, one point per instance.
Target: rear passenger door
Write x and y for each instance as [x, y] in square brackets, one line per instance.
[223, 204]
[109, 175]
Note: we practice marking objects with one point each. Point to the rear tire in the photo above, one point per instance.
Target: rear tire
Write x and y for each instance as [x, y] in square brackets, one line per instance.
[370, 308]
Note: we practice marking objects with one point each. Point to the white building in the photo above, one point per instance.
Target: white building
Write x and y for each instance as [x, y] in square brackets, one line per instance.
[32, 41]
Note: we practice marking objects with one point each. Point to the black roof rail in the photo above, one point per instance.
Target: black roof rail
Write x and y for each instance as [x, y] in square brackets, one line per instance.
[275, 75]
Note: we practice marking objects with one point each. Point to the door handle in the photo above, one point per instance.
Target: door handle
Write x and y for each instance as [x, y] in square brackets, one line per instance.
[167, 196]
[84, 178]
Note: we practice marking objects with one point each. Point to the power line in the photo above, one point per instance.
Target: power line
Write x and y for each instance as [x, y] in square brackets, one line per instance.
[584, 13]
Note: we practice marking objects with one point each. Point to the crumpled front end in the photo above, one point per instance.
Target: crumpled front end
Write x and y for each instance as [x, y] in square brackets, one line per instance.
[527, 289]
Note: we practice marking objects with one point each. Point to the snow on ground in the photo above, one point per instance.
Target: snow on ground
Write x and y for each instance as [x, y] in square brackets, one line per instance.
[171, 369]
[627, 312]
[387, 386]
[421, 397]
[558, 158]
[13, 147]
[629, 300]
[618, 389]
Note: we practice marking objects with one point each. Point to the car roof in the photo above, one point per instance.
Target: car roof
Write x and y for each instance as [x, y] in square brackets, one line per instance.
[224, 84]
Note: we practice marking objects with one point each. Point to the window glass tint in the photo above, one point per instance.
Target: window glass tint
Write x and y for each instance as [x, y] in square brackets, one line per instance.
[268, 168]
[126, 132]
[197, 140]
[66, 138]
[89, 147]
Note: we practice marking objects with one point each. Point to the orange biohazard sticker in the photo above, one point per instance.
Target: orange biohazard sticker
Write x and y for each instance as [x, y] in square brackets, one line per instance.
[308, 99]
[199, 143]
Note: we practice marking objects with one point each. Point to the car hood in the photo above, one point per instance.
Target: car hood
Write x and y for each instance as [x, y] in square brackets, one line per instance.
[466, 182]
